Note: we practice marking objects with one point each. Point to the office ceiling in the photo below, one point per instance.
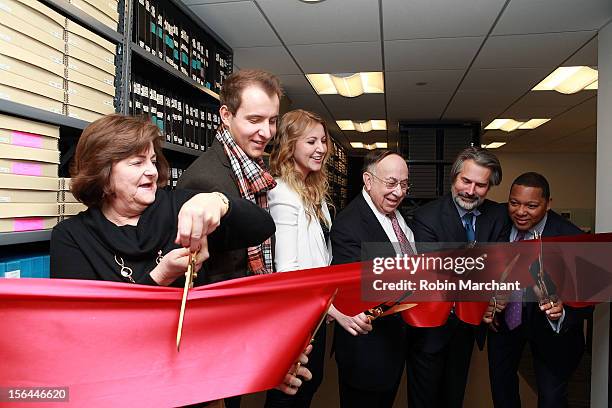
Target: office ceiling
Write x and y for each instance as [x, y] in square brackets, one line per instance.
[478, 60]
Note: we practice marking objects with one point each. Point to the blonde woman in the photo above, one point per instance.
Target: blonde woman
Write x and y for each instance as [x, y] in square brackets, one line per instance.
[300, 211]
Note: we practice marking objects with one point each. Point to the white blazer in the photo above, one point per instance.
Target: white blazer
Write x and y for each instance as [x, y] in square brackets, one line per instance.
[300, 243]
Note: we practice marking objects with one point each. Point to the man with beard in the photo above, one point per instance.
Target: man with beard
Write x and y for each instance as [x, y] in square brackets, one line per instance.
[439, 358]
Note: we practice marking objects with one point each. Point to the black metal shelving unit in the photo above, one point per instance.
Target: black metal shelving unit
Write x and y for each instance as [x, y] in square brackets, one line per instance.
[28, 112]
[181, 149]
[125, 52]
[11, 238]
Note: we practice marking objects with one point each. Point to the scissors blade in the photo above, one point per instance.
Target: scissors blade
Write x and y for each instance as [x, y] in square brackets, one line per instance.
[188, 283]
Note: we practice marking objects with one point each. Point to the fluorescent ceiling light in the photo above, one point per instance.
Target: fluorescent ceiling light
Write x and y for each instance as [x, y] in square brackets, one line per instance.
[533, 123]
[349, 85]
[568, 80]
[493, 145]
[377, 145]
[508, 125]
[363, 127]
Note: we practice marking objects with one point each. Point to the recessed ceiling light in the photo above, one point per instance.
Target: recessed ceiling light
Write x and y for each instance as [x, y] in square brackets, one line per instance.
[349, 85]
[377, 145]
[569, 80]
[363, 127]
[508, 125]
[493, 145]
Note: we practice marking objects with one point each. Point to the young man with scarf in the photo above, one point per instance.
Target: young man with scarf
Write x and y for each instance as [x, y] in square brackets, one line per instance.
[250, 102]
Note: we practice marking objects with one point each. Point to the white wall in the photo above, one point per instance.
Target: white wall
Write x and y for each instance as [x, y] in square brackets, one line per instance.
[571, 176]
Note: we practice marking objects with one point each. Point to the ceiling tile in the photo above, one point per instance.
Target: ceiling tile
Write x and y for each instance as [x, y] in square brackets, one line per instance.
[364, 107]
[416, 106]
[552, 16]
[338, 57]
[404, 82]
[479, 105]
[587, 55]
[225, 18]
[327, 22]
[273, 59]
[296, 85]
[308, 102]
[545, 104]
[414, 19]
[519, 79]
[442, 53]
[530, 51]
[575, 120]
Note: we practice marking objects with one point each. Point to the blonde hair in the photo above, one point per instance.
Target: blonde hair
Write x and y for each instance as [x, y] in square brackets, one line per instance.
[314, 189]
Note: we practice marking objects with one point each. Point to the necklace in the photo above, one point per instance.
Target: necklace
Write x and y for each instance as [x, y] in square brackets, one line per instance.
[127, 272]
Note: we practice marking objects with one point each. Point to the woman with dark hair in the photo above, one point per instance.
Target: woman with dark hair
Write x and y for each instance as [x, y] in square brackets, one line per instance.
[134, 231]
[299, 206]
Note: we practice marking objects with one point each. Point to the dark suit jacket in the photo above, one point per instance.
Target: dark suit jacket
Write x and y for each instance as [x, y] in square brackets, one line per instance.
[373, 361]
[212, 172]
[439, 222]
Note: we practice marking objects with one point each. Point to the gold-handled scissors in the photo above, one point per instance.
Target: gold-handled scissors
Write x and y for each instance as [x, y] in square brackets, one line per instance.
[190, 276]
[387, 308]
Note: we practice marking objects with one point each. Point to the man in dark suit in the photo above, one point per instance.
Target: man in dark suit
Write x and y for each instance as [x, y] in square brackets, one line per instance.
[370, 365]
[554, 331]
[439, 358]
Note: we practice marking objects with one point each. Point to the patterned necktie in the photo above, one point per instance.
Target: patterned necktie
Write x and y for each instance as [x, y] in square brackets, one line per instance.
[401, 237]
[468, 218]
[514, 308]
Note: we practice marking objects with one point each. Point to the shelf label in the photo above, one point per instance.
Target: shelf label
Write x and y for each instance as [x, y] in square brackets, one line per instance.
[28, 224]
[26, 139]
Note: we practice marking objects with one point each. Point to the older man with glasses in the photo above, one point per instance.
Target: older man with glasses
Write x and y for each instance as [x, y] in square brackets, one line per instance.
[370, 364]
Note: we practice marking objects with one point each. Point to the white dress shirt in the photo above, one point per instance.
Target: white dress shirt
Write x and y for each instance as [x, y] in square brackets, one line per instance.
[385, 223]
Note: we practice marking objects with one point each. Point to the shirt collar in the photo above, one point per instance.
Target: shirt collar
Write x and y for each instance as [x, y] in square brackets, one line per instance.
[462, 211]
[539, 227]
[368, 199]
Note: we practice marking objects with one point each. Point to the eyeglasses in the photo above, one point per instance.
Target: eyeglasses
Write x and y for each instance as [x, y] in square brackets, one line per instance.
[392, 183]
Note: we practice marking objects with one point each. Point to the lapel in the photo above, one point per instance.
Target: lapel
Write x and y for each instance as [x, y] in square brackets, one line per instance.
[483, 223]
[451, 221]
[376, 233]
[219, 151]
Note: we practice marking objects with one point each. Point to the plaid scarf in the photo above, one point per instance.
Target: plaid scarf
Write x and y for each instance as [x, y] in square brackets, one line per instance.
[254, 181]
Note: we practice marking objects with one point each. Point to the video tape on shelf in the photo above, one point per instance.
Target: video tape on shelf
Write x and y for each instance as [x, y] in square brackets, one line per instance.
[173, 38]
[181, 121]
